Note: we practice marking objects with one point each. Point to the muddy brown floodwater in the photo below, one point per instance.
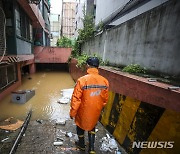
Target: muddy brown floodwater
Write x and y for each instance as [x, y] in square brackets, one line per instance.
[47, 86]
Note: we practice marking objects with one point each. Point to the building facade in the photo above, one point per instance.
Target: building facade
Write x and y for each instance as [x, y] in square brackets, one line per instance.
[55, 28]
[80, 8]
[116, 12]
[68, 19]
[23, 26]
[83, 7]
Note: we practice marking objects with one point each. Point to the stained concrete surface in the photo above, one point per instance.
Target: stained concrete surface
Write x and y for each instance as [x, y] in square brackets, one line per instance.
[40, 136]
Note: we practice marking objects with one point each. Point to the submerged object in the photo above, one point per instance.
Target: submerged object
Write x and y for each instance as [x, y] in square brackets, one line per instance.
[22, 96]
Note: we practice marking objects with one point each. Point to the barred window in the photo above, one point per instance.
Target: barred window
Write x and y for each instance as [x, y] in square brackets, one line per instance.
[8, 75]
[23, 24]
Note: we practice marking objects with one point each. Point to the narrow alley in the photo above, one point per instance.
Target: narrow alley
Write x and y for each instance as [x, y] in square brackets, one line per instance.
[130, 51]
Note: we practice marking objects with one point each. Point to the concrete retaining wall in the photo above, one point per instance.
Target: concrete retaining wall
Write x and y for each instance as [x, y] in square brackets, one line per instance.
[151, 39]
[138, 110]
[51, 54]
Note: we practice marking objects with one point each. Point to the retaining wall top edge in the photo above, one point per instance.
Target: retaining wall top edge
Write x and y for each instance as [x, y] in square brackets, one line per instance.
[139, 79]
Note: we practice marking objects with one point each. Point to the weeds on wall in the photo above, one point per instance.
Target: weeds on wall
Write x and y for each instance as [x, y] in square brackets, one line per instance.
[81, 60]
[134, 68]
[83, 34]
[64, 42]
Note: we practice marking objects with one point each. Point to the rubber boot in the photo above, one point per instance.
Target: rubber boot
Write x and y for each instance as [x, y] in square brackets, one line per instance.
[80, 144]
[91, 137]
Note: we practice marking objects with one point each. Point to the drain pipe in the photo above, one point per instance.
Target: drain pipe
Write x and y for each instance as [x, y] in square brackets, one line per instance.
[23, 129]
[105, 45]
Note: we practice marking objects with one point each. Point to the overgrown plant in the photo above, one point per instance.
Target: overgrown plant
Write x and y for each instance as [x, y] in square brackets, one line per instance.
[81, 60]
[64, 42]
[100, 26]
[134, 68]
[84, 34]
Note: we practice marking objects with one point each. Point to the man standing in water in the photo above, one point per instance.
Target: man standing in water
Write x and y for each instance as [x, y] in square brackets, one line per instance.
[89, 97]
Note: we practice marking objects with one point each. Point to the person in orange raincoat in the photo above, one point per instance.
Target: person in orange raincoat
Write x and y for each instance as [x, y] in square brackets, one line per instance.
[89, 97]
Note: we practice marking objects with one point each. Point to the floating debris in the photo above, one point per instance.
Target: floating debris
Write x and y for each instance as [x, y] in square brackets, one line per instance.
[66, 96]
[63, 100]
[29, 78]
[22, 96]
[11, 124]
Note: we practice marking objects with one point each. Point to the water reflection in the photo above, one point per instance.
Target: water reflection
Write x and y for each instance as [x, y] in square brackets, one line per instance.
[47, 86]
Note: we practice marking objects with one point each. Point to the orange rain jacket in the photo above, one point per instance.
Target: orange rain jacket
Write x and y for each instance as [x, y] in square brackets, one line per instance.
[89, 97]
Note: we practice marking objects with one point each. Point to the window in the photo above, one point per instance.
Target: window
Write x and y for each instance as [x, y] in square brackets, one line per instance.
[8, 75]
[23, 24]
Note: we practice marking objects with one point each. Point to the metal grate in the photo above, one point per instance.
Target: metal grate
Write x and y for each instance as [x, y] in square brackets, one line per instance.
[8, 75]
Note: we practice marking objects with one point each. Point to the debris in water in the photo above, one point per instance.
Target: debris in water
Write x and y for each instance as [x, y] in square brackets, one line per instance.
[61, 122]
[4, 139]
[29, 78]
[63, 100]
[57, 143]
[39, 121]
[66, 96]
[11, 124]
[68, 134]
[22, 96]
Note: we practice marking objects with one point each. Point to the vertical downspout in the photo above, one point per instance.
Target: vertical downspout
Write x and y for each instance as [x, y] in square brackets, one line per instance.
[62, 20]
[105, 44]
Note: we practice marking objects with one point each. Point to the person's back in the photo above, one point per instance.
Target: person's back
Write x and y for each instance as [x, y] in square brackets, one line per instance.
[94, 97]
[89, 97]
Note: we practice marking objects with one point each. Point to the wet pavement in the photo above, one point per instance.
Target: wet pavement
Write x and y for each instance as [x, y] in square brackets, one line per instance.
[39, 138]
